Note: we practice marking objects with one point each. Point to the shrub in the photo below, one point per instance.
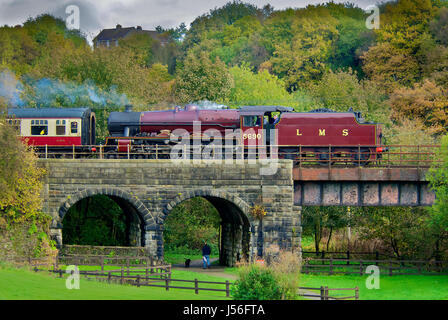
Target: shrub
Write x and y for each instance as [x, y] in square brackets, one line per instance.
[277, 279]
[256, 283]
[285, 266]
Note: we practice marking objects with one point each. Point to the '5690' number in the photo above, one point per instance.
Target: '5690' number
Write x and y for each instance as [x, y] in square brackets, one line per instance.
[251, 136]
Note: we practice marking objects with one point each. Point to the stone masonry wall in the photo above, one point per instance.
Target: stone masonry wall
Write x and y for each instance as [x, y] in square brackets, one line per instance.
[154, 187]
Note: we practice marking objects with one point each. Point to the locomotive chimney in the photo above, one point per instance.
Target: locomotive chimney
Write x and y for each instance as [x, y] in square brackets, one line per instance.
[128, 108]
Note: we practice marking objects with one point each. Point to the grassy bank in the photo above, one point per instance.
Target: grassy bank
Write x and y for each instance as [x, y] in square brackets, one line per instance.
[430, 287]
[26, 284]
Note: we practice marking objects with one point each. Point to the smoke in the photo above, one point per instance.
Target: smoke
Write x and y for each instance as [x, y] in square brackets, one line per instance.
[209, 105]
[11, 88]
[55, 93]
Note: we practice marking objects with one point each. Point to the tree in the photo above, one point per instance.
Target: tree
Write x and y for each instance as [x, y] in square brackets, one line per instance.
[305, 58]
[342, 90]
[20, 177]
[404, 230]
[390, 67]
[190, 224]
[438, 177]
[202, 79]
[317, 219]
[405, 23]
[260, 88]
[425, 102]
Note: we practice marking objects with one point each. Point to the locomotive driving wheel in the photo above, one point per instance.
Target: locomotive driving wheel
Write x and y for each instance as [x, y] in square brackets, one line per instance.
[361, 156]
[111, 155]
[325, 157]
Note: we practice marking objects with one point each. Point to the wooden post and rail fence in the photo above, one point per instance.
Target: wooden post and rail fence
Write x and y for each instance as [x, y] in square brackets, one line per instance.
[144, 275]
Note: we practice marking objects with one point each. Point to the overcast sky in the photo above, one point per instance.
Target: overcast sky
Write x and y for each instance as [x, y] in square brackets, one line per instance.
[101, 14]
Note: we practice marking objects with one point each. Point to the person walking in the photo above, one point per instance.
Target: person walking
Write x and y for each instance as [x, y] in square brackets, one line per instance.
[206, 251]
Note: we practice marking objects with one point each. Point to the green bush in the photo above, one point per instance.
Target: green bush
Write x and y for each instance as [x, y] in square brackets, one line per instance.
[256, 283]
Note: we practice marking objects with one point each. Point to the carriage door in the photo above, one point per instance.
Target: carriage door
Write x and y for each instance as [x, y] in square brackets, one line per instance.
[252, 131]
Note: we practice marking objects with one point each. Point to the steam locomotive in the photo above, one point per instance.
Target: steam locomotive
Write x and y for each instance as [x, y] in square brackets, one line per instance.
[319, 134]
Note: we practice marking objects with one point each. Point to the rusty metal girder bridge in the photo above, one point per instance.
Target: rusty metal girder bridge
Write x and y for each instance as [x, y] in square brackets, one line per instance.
[361, 187]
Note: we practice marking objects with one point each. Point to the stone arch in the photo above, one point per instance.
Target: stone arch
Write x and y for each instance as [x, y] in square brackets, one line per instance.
[242, 205]
[237, 225]
[121, 197]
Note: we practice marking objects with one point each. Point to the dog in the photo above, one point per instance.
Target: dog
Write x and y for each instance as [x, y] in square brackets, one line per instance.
[187, 263]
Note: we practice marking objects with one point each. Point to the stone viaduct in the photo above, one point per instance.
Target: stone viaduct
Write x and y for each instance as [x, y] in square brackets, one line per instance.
[147, 191]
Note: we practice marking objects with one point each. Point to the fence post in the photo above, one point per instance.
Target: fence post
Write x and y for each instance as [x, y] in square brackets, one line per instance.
[418, 158]
[138, 281]
[121, 276]
[377, 257]
[46, 151]
[331, 266]
[108, 277]
[322, 293]
[359, 155]
[60, 273]
[127, 265]
[326, 293]
[356, 293]
[227, 288]
[348, 256]
[167, 284]
[102, 263]
[360, 268]
[390, 267]
[196, 286]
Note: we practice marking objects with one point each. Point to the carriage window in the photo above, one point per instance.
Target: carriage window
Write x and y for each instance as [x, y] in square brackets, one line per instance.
[74, 127]
[60, 127]
[15, 124]
[251, 121]
[39, 127]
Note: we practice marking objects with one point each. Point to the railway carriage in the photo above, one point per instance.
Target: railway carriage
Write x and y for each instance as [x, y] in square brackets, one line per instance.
[55, 130]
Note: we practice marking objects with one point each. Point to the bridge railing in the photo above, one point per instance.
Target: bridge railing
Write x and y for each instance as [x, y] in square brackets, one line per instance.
[420, 156]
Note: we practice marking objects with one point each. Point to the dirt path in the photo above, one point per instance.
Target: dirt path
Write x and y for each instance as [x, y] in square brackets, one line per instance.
[214, 270]
[219, 271]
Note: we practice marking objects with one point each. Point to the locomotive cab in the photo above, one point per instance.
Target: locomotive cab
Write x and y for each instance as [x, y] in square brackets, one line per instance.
[258, 121]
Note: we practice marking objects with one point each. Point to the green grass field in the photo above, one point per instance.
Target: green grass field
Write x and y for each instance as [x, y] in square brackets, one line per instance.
[431, 287]
[25, 284]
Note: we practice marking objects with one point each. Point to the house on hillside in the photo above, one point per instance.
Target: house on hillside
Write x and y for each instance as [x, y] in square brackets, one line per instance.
[111, 37]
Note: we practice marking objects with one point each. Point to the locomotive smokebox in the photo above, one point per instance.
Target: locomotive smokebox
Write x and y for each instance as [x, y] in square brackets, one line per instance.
[125, 123]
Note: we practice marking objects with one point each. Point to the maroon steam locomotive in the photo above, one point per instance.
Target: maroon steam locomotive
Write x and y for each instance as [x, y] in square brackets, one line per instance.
[320, 134]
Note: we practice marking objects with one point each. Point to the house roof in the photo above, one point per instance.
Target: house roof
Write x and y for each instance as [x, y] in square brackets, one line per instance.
[113, 34]
[120, 33]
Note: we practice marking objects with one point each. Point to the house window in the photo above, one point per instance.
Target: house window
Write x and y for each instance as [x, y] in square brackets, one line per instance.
[60, 127]
[39, 127]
